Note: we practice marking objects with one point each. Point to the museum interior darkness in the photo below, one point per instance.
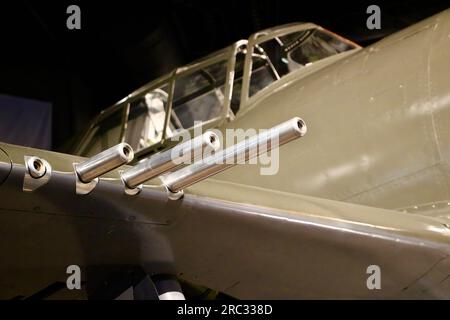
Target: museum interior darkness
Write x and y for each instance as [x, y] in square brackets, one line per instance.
[123, 46]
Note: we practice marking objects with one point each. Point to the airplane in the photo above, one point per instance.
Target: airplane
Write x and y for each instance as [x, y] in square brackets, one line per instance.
[359, 206]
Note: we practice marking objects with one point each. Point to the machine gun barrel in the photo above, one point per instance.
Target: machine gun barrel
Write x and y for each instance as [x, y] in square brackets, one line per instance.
[104, 162]
[239, 153]
[169, 159]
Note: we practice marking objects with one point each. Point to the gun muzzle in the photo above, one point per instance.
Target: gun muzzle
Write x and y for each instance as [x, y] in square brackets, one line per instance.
[170, 159]
[239, 153]
[104, 162]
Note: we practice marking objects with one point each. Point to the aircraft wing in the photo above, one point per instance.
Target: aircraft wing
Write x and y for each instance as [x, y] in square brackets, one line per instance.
[245, 241]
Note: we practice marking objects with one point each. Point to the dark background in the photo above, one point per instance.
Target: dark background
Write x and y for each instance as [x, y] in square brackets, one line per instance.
[123, 45]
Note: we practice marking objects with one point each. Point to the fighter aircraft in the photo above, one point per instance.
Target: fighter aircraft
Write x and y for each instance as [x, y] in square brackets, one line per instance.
[357, 205]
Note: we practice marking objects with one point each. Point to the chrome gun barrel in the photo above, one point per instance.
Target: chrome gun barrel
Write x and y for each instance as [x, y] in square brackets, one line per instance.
[239, 153]
[103, 162]
[169, 159]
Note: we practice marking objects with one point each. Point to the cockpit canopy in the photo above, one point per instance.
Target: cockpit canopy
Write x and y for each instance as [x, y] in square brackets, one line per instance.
[211, 90]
